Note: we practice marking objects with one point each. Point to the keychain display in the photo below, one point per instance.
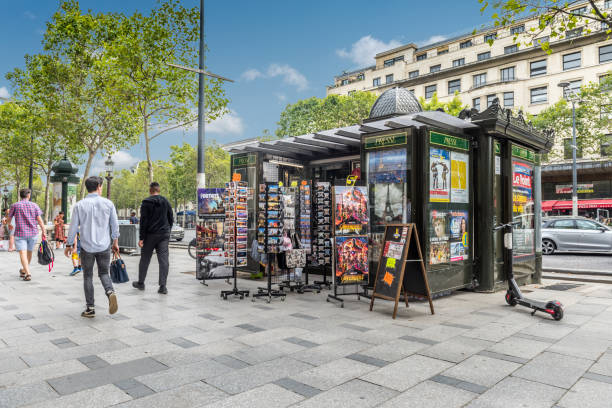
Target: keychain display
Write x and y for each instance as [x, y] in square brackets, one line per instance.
[305, 220]
[321, 243]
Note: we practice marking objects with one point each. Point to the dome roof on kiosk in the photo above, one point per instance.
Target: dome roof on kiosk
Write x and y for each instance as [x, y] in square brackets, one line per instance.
[394, 102]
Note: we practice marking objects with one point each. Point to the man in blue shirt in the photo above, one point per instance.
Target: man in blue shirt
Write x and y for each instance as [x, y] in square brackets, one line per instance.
[95, 218]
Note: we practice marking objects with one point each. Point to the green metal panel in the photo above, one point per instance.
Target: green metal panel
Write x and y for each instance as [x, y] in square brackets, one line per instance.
[448, 141]
[385, 141]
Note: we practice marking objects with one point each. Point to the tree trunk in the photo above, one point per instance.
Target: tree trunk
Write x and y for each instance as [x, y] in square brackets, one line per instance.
[46, 209]
[90, 158]
[184, 212]
[148, 150]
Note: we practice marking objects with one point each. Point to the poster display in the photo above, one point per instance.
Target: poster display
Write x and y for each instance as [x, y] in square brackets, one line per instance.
[387, 166]
[209, 235]
[523, 234]
[439, 175]
[459, 177]
[459, 240]
[351, 210]
[390, 203]
[438, 237]
[72, 200]
[351, 259]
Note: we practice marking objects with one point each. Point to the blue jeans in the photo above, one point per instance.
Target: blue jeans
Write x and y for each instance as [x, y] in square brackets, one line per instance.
[25, 243]
[87, 262]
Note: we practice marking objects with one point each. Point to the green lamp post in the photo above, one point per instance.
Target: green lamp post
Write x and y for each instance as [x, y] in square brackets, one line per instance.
[64, 172]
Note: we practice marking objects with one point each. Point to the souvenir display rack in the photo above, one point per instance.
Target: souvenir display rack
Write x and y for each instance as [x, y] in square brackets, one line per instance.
[269, 233]
[235, 230]
[321, 242]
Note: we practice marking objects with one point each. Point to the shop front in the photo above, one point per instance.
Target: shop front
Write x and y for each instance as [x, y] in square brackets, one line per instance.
[454, 178]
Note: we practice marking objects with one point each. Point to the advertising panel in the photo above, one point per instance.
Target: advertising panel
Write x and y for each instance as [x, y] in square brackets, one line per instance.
[351, 259]
[459, 177]
[351, 210]
[439, 175]
[439, 248]
[459, 242]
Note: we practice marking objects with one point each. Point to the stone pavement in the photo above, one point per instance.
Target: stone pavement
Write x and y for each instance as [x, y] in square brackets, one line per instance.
[192, 349]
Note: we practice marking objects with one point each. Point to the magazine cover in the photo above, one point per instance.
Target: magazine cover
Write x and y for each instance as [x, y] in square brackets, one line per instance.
[351, 259]
[210, 202]
[351, 212]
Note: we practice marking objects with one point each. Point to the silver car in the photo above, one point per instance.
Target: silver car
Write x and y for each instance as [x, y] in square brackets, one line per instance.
[575, 234]
[177, 233]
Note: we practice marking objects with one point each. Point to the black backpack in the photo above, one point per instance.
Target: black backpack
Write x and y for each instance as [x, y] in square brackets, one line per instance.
[45, 254]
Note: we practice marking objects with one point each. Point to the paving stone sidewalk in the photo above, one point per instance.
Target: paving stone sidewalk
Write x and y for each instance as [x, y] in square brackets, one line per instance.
[193, 349]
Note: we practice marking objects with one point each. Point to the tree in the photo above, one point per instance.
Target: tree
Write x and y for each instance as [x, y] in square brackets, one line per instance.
[593, 119]
[453, 107]
[96, 109]
[163, 97]
[314, 114]
[553, 16]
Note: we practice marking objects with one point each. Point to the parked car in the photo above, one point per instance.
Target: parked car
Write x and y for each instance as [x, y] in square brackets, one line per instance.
[575, 234]
[177, 233]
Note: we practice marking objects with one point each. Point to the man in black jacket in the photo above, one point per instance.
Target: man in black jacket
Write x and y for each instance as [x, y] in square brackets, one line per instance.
[156, 221]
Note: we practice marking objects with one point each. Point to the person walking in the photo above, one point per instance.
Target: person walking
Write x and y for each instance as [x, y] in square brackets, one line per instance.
[95, 220]
[156, 221]
[26, 214]
[133, 218]
[60, 234]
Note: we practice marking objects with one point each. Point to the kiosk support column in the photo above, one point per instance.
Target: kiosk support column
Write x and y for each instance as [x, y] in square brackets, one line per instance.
[484, 252]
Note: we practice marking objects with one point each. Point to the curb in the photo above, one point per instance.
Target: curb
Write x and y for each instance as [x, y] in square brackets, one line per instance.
[577, 272]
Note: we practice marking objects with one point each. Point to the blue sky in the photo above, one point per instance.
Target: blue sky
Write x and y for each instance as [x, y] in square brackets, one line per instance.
[278, 52]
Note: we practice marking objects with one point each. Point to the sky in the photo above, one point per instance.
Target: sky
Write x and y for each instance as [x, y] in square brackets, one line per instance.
[277, 52]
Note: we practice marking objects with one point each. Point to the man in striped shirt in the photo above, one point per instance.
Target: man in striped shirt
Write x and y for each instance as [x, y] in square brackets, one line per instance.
[26, 214]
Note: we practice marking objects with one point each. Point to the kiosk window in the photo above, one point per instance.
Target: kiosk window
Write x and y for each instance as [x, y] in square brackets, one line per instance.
[523, 236]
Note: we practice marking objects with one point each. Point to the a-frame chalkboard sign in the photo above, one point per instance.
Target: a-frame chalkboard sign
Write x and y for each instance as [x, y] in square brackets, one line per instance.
[400, 267]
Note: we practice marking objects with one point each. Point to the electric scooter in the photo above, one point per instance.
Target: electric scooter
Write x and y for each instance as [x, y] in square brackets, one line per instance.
[514, 295]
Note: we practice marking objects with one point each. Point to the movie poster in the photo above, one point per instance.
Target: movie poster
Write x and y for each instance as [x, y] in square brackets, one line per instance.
[439, 175]
[459, 177]
[459, 242]
[351, 259]
[351, 212]
[210, 202]
[439, 237]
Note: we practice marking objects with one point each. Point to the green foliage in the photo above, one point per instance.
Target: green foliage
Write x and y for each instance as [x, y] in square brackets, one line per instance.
[593, 119]
[314, 114]
[163, 97]
[554, 18]
[453, 107]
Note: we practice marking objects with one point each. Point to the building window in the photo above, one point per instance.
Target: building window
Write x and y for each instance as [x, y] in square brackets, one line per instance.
[389, 79]
[484, 56]
[567, 148]
[490, 99]
[429, 91]
[608, 4]
[413, 74]
[580, 10]
[344, 82]
[490, 37]
[480, 80]
[517, 30]
[376, 82]
[389, 62]
[574, 87]
[571, 61]
[466, 44]
[606, 146]
[508, 99]
[507, 74]
[537, 68]
[539, 41]
[397, 59]
[360, 77]
[476, 103]
[421, 57]
[539, 95]
[435, 68]
[411, 91]
[459, 62]
[605, 53]
[576, 32]
[510, 49]
[605, 26]
[442, 52]
[606, 112]
[454, 86]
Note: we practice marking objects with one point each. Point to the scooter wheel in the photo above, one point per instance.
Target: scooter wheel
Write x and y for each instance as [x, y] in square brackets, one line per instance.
[558, 313]
[510, 299]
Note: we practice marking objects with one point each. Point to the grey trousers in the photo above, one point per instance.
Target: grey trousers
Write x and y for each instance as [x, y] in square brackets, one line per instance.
[87, 262]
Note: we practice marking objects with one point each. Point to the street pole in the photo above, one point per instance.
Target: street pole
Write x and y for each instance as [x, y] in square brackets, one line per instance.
[31, 176]
[574, 175]
[201, 106]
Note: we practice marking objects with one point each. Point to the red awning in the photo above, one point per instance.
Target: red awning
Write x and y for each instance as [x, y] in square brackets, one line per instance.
[582, 204]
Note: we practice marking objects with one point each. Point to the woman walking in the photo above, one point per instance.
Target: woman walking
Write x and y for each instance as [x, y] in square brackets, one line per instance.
[60, 234]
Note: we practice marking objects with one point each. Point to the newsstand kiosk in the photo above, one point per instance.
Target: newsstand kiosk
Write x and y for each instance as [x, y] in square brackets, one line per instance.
[456, 178]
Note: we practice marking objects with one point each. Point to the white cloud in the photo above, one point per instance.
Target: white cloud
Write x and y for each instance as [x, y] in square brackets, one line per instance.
[432, 39]
[4, 93]
[229, 124]
[122, 159]
[281, 96]
[29, 15]
[251, 74]
[290, 75]
[362, 51]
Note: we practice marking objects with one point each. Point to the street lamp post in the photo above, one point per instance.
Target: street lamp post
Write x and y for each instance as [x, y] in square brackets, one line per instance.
[109, 164]
[566, 91]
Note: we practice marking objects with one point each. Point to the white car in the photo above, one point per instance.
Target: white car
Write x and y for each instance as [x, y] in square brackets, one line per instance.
[177, 233]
